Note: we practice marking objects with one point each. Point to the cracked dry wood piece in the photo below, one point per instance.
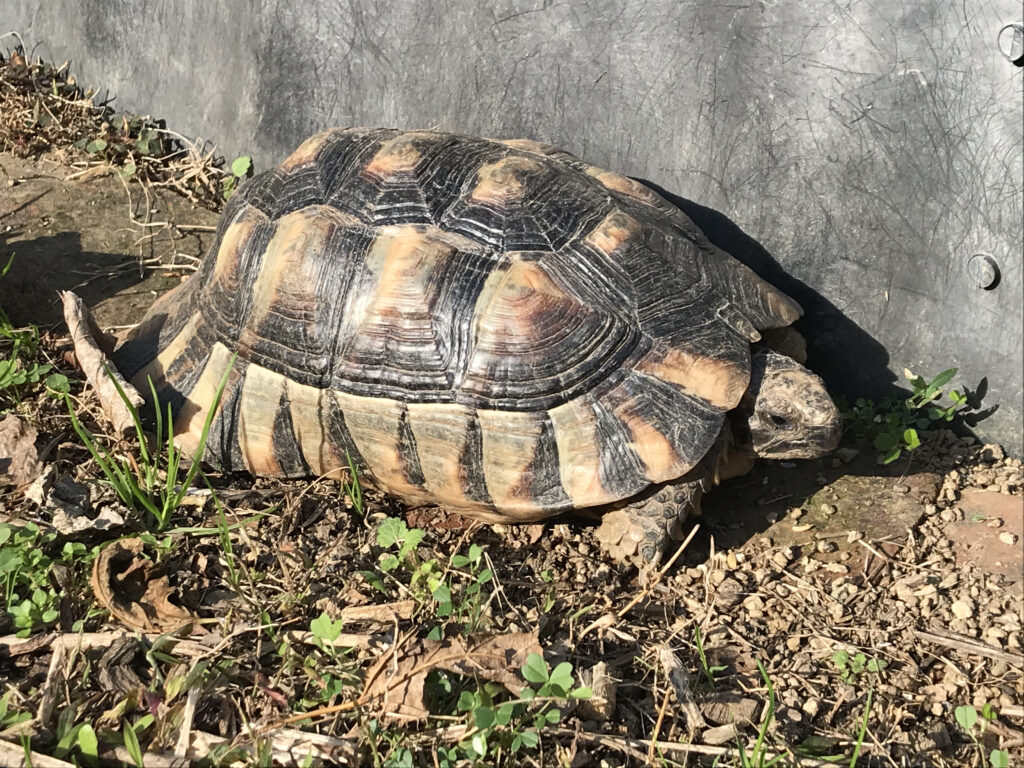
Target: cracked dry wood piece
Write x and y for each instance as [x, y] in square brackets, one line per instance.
[89, 344]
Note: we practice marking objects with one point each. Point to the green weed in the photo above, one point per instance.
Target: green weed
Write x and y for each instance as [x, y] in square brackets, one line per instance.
[708, 670]
[851, 667]
[497, 728]
[892, 425]
[26, 574]
[9, 717]
[16, 366]
[351, 487]
[152, 483]
[758, 756]
[455, 592]
[975, 725]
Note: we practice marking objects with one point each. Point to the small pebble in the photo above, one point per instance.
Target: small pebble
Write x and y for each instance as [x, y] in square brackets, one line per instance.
[963, 608]
[829, 509]
[1008, 538]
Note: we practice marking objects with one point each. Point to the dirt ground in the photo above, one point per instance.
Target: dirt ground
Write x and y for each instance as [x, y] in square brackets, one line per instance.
[798, 567]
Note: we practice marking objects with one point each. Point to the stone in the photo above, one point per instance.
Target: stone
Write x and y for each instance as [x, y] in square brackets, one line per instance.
[726, 708]
[723, 734]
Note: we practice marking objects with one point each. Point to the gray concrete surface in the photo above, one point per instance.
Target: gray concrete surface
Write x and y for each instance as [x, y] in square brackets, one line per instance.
[858, 153]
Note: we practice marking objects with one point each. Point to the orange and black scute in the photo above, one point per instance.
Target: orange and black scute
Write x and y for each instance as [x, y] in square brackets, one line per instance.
[495, 326]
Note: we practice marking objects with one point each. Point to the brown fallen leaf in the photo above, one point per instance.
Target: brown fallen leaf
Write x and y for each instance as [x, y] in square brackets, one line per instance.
[19, 459]
[134, 590]
[395, 682]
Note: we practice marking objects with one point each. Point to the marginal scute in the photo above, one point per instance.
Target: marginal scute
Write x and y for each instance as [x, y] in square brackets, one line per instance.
[261, 395]
[191, 417]
[718, 381]
[579, 452]
[520, 464]
[375, 425]
[443, 434]
[310, 413]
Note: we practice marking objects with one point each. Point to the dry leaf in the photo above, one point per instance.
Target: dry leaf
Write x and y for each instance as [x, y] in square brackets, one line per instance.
[19, 459]
[395, 682]
[133, 589]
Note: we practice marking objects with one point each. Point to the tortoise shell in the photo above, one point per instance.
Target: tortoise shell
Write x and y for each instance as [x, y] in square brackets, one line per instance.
[494, 326]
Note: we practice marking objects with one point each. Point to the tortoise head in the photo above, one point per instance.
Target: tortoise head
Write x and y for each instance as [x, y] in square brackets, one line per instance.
[786, 411]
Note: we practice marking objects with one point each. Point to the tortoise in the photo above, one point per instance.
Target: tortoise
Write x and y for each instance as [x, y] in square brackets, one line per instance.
[495, 327]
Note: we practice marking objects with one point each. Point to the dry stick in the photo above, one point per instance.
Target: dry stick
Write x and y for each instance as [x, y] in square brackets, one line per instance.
[14, 755]
[657, 579]
[626, 744]
[657, 727]
[187, 718]
[680, 680]
[970, 646]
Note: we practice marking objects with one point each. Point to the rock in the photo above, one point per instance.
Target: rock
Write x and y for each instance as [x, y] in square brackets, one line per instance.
[829, 509]
[726, 708]
[1008, 538]
[991, 452]
[723, 734]
[728, 594]
[846, 455]
[963, 608]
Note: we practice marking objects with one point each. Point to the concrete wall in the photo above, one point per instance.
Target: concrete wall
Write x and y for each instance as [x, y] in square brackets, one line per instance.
[867, 148]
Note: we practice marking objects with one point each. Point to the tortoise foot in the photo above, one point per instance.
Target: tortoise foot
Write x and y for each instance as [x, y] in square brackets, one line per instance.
[641, 532]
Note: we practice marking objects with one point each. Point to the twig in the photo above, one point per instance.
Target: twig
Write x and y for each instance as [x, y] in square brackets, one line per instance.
[343, 640]
[970, 646]
[623, 743]
[680, 680]
[661, 573]
[187, 718]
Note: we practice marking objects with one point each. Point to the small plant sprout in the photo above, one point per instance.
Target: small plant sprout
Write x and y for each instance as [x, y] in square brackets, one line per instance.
[708, 670]
[758, 756]
[241, 168]
[393, 533]
[851, 667]
[325, 631]
[974, 725]
[351, 487]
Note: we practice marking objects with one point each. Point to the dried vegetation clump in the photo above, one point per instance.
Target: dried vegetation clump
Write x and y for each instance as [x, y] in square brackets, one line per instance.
[43, 111]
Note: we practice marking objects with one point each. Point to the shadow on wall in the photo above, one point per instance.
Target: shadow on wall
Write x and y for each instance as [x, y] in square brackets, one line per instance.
[842, 352]
[852, 362]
